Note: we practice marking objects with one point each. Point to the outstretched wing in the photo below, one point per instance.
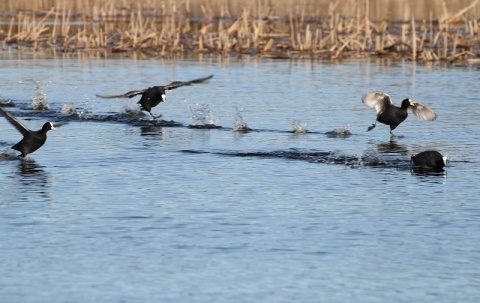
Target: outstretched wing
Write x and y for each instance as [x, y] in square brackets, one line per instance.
[60, 124]
[130, 94]
[378, 100]
[15, 122]
[170, 86]
[422, 112]
[176, 84]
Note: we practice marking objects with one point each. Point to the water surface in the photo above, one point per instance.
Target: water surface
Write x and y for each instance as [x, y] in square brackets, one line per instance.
[118, 209]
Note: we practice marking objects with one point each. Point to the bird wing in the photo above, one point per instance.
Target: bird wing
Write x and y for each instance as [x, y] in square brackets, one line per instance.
[130, 94]
[15, 122]
[378, 100]
[60, 124]
[169, 86]
[423, 112]
[176, 84]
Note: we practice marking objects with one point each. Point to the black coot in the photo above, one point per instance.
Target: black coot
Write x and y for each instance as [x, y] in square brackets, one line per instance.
[430, 159]
[391, 115]
[152, 96]
[32, 140]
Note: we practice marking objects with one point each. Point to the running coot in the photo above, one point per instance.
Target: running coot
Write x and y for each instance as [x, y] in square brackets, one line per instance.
[32, 140]
[152, 96]
[389, 114]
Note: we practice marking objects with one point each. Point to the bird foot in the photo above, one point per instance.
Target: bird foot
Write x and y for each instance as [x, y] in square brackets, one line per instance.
[155, 117]
[371, 127]
[396, 136]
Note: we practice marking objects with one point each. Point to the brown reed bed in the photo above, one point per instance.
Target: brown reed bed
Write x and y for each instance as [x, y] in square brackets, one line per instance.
[256, 28]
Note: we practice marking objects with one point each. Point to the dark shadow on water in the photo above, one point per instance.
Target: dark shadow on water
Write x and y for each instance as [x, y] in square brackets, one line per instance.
[334, 157]
[205, 126]
[370, 158]
[57, 117]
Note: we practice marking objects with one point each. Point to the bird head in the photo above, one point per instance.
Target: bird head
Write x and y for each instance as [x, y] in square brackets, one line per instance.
[407, 102]
[47, 126]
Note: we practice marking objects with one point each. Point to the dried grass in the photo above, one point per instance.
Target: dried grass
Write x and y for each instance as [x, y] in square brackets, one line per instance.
[339, 29]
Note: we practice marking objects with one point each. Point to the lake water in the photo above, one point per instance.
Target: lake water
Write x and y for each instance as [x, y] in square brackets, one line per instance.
[114, 208]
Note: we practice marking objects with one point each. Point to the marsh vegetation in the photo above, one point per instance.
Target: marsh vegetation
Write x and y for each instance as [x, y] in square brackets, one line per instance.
[431, 31]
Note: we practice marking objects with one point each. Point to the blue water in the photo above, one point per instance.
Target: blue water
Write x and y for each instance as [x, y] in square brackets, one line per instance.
[115, 209]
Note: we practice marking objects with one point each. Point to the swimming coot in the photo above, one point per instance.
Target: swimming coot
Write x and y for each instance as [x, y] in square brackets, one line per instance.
[430, 159]
[152, 96]
[32, 140]
[389, 114]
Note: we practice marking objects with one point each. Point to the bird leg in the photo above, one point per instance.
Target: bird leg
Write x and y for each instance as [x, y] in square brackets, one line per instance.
[396, 136]
[154, 117]
[372, 126]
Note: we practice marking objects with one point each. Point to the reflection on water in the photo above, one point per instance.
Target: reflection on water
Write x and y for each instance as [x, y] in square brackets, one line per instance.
[421, 172]
[33, 178]
[393, 146]
[28, 167]
[156, 131]
[28, 181]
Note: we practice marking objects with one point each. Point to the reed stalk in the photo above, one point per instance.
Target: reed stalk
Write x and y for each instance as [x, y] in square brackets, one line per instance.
[255, 27]
[414, 39]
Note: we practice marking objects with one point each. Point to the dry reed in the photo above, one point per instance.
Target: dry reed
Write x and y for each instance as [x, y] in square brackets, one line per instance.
[257, 27]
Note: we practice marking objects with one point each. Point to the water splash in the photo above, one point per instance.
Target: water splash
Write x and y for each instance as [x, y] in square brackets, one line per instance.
[239, 124]
[40, 101]
[6, 102]
[371, 157]
[202, 115]
[85, 111]
[132, 112]
[339, 133]
[337, 156]
[8, 154]
[299, 126]
[69, 109]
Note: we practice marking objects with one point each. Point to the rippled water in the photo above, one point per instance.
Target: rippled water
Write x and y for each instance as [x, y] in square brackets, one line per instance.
[305, 207]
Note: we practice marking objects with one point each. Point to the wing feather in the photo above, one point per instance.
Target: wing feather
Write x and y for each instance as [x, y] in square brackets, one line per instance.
[378, 100]
[423, 112]
[176, 84]
[15, 122]
[169, 86]
[130, 94]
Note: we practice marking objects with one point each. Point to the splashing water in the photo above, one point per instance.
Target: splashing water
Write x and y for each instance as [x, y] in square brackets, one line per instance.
[8, 154]
[339, 133]
[371, 157]
[299, 126]
[69, 109]
[6, 102]
[239, 124]
[40, 101]
[129, 111]
[85, 111]
[337, 156]
[202, 115]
